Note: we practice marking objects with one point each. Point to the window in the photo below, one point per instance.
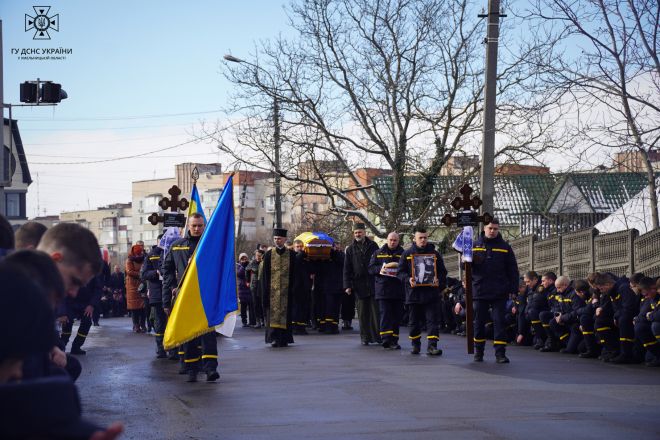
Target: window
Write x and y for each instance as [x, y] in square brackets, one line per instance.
[262, 203]
[141, 220]
[15, 204]
[263, 222]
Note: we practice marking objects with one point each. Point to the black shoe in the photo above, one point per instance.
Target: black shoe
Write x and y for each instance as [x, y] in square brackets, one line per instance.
[416, 349]
[501, 359]
[245, 325]
[538, 346]
[161, 355]
[183, 369]
[365, 342]
[395, 346]
[606, 356]
[212, 376]
[653, 363]
[433, 351]
[588, 355]
[622, 359]
[77, 350]
[275, 344]
[96, 324]
[567, 351]
[478, 357]
[173, 357]
[192, 376]
[547, 349]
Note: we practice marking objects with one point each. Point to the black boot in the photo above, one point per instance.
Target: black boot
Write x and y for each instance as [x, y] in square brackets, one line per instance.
[500, 355]
[212, 375]
[625, 355]
[479, 352]
[192, 375]
[592, 351]
[416, 348]
[433, 350]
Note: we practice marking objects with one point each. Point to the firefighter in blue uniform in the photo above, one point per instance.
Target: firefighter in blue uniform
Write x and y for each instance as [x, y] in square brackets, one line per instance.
[201, 352]
[81, 307]
[388, 290]
[494, 278]
[649, 312]
[150, 272]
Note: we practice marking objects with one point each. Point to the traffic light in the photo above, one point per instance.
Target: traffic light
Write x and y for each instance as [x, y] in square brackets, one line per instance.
[29, 92]
[52, 93]
[36, 92]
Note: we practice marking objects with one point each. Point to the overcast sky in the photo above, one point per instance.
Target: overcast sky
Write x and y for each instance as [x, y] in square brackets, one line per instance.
[141, 77]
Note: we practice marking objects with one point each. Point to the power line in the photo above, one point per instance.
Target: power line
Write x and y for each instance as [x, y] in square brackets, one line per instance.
[105, 128]
[122, 157]
[122, 118]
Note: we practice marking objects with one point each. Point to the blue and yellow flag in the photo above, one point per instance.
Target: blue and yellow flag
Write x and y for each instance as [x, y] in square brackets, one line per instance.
[207, 298]
[195, 203]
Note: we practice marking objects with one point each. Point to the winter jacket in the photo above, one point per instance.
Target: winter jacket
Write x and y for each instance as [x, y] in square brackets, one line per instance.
[494, 269]
[572, 306]
[386, 287]
[625, 302]
[652, 306]
[133, 265]
[356, 268]
[244, 293]
[421, 294]
[329, 274]
[150, 273]
[174, 265]
[252, 270]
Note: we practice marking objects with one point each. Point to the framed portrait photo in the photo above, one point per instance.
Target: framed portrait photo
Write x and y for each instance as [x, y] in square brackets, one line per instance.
[424, 271]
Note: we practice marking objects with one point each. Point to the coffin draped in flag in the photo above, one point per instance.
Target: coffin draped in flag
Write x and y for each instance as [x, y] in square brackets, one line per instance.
[207, 298]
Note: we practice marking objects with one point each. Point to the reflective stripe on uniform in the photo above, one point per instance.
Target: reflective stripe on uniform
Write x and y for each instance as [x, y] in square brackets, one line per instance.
[191, 360]
[648, 344]
[180, 248]
[499, 342]
[81, 334]
[500, 250]
[209, 356]
[479, 340]
[432, 337]
[414, 337]
[602, 329]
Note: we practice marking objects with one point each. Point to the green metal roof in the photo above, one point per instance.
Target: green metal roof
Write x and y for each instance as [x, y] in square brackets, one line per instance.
[517, 195]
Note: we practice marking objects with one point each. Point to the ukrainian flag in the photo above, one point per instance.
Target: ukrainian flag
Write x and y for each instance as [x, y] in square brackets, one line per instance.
[207, 298]
[195, 203]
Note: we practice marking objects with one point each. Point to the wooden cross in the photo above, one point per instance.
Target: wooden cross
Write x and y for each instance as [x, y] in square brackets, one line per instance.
[174, 204]
[467, 216]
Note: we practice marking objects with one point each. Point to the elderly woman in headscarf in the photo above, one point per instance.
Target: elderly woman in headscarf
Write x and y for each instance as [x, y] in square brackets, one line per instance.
[134, 299]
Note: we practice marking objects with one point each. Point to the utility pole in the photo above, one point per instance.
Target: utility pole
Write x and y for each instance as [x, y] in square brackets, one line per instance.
[3, 208]
[278, 178]
[490, 92]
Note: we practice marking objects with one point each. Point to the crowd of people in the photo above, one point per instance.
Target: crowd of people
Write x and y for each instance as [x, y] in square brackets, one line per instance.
[47, 276]
[614, 319]
[53, 277]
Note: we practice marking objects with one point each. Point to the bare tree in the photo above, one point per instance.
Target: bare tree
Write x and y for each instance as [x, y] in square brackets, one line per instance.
[607, 64]
[389, 84]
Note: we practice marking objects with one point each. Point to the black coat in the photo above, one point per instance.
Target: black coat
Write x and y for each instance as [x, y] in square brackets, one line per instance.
[625, 302]
[149, 273]
[386, 287]
[421, 294]
[649, 305]
[329, 274]
[356, 268]
[494, 269]
[174, 265]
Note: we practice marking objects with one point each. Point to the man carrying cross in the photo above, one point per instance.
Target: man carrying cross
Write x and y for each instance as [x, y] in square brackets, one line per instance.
[494, 277]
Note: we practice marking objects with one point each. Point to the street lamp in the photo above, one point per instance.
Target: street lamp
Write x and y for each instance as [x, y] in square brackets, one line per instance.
[276, 148]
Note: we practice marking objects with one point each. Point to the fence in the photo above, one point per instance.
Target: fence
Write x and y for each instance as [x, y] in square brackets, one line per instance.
[578, 253]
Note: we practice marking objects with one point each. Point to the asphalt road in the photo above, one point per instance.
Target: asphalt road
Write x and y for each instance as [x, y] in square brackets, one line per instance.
[331, 387]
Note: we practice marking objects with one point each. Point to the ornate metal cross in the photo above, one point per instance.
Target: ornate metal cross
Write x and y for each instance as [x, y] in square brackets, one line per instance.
[467, 216]
[174, 204]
